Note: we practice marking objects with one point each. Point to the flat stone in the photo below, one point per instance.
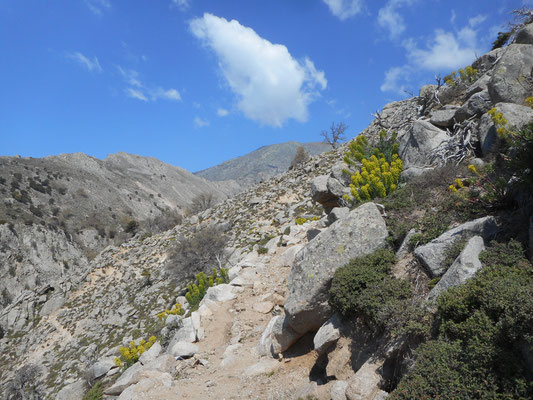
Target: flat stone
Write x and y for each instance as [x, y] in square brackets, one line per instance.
[338, 390]
[184, 349]
[328, 334]
[72, 391]
[463, 268]
[102, 367]
[443, 118]
[151, 354]
[263, 307]
[220, 293]
[433, 254]
[263, 367]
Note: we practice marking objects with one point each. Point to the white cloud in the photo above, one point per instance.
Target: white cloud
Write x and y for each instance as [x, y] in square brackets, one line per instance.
[91, 65]
[270, 84]
[390, 19]
[445, 50]
[344, 9]
[395, 79]
[182, 4]
[453, 17]
[98, 6]
[200, 123]
[477, 20]
[136, 94]
[140, 91]
[221, 112]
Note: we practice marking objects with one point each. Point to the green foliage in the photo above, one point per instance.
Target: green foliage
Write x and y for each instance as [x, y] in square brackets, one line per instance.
[196, 291]
[501, 40]
[262, 250]
[130, 355]
[303, 220]
[380, 168]
[485, 330]
[466, 77]
[364, 288]
[94, 393]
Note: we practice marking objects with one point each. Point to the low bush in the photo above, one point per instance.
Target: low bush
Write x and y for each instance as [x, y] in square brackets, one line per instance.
[196, 291]
[484, 335]
[130, 355]
[94, 393]
[364, 288]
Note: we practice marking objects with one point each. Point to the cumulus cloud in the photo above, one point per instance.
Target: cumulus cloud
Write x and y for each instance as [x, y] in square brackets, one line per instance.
[200, 123]
[396, 79]
[389, 18]
[138, 90]
[91, 65]
[98, 7]
[221, 112]
[271, 86]
[344, 9]
[444, 51]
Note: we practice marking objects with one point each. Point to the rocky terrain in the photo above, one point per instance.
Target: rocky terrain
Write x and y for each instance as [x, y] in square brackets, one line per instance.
[261, 164]
[272, 331]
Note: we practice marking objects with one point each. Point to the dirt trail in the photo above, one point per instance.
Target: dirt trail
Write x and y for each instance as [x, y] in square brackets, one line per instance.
[237, 324]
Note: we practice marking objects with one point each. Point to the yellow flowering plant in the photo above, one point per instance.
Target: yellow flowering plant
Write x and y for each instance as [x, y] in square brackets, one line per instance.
[379, 168]
[130, 355]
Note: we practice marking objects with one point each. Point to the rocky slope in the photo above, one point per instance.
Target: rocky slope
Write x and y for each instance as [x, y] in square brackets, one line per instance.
[261, 164]
[57, 212]
[271, 332]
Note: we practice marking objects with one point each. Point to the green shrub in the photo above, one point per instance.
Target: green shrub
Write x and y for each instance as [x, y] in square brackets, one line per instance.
[364, 288]
[196, 291]
[466, 77]
[94, 393]
[485, 334]
[262, 250]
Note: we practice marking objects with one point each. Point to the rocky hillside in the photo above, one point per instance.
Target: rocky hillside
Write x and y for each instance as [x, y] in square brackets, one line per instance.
[57, 212]
[425, 292]
[261, 164]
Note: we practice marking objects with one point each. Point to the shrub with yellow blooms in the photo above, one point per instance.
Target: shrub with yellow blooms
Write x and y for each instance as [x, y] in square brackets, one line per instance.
[176, 310]
[130, 355]
[466, 76]
[379, 168]
[529, 102]
[196, 291]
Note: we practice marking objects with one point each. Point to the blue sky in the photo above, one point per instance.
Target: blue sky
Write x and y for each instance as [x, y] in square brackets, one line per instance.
[197, 82]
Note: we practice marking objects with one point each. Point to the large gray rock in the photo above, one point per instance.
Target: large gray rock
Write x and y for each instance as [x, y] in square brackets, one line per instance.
[156, 386]
[101, 367]
[277, 337]
[338, 390]
[517, 118]
[328, 334]
[365, 383]
[72, 391]
[362, 232]
[463, 268]
[476, 105]
[326, 191]
[223, 292]
[433, 254]
[487, 61]
[416, 146]
[525, 35]
[512, 78]
[443, 118]
[478, 86]
[184, 349]
[338, 213]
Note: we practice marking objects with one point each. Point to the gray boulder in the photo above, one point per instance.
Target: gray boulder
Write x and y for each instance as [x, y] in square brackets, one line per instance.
[413, 172]
[443, 118]
[433, 254]
[476, 105]
[517, 118]
[74, 390]
[417, 145]
[512, 78]
[101, 368]
[327, 191]
[328, 334]
[362, 232]
[338, 213]
[338, 390]
[478, 86]
[487, 61]
[525, 35]
[184, 349]
[463, 268]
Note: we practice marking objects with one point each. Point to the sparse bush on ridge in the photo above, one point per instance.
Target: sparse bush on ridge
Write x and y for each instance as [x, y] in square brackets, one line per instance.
[300, 157]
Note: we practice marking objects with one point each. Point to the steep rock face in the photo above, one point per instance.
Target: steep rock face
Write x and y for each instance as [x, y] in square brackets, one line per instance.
[361, 232]
[35, 257]
[512, 78]
[416, 147]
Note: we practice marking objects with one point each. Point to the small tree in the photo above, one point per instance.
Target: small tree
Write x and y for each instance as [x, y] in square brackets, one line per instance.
[26, 384]
[335, 134]
[201, 202]
[301, 156]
